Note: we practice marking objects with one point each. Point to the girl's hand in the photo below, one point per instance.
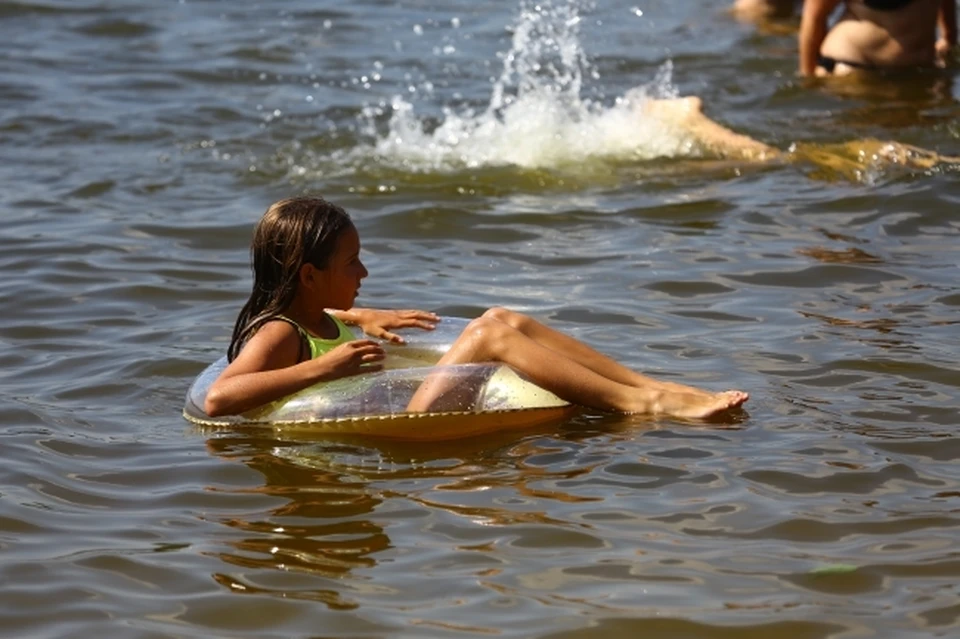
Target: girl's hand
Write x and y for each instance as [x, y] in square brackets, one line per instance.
[352, 358]
[379, 323]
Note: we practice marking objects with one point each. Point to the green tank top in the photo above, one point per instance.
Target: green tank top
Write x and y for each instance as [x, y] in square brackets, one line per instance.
[318, 345]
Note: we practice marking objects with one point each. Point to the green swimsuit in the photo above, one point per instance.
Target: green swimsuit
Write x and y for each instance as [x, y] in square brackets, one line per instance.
[318, 345]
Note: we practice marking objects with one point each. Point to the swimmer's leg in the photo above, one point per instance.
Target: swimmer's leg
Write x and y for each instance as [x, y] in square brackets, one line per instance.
[686, 115]
[905, 154]
[850, 157]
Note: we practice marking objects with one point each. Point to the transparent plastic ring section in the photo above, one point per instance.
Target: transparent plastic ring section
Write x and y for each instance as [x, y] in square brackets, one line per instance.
[452, 401]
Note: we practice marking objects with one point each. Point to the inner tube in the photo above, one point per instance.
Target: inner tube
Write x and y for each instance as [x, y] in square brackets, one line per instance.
[477, 399]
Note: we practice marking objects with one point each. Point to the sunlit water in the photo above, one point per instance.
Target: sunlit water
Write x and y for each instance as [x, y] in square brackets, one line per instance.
[490, 154]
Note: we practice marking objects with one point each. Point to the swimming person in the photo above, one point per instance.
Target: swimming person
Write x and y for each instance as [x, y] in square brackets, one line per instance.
[875, 34]
[685, 117]
[306, 260]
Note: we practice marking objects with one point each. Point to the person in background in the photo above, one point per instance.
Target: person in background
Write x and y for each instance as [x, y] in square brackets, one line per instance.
[875, 34]
[763, 10]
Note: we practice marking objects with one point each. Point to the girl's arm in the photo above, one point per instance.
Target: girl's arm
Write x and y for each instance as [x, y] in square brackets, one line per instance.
[267, 369]
[379, 323]
[813, 30]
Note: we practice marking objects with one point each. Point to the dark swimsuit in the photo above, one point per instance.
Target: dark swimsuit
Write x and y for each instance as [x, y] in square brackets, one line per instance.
[886, 5]
[830, 64]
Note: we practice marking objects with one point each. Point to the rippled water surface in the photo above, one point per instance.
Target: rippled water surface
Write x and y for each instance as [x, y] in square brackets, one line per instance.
[487, 158]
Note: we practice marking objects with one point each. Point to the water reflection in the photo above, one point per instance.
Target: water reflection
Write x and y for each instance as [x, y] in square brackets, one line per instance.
[337, 500]
[320, 529]
[601, 517]
[894, 100]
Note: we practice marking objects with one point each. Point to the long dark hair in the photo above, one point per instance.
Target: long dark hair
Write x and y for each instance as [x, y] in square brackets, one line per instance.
[293, 232]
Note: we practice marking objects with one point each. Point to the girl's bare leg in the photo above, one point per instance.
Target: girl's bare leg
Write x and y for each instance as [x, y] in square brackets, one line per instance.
[578, 351]
[572, 371]
[570, 348]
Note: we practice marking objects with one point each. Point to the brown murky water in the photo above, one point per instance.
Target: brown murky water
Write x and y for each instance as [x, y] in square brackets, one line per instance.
[140, 142]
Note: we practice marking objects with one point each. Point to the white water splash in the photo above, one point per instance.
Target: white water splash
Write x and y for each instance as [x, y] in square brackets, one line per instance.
[537, 116]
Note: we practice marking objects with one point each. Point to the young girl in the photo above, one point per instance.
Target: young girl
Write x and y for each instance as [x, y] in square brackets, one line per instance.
[306, 260]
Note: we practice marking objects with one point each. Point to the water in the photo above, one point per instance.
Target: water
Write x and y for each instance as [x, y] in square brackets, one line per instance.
[485, 153]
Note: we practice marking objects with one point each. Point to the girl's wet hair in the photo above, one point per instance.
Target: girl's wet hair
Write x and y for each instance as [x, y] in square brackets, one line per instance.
[293, 232]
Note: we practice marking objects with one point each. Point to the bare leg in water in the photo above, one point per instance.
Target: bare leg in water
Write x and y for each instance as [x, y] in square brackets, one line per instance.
[571, 370]
[686, 116]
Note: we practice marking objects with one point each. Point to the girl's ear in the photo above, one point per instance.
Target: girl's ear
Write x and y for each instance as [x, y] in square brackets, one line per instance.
[308, 273]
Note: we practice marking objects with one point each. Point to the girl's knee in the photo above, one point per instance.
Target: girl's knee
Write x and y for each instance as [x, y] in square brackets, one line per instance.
[506, 316]
[495, 313]
[487, 335]
[483, 328]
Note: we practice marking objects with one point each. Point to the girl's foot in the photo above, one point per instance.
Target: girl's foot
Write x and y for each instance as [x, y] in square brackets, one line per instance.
[693, 403]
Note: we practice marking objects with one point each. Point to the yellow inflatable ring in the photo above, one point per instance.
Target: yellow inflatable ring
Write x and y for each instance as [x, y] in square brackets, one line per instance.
[478, 398]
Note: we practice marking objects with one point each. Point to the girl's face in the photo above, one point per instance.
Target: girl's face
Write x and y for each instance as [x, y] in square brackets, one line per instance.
[339, 283]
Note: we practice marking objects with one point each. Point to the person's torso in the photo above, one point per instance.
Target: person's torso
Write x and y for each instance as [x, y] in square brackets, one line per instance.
[882, 33]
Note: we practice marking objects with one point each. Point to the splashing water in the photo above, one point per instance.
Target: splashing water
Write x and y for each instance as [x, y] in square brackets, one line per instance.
[536, 117]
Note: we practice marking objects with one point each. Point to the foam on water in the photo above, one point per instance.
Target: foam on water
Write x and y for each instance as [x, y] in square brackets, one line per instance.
[537, 116]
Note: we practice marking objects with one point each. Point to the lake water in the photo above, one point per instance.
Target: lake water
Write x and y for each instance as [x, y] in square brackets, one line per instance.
[485, 157]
